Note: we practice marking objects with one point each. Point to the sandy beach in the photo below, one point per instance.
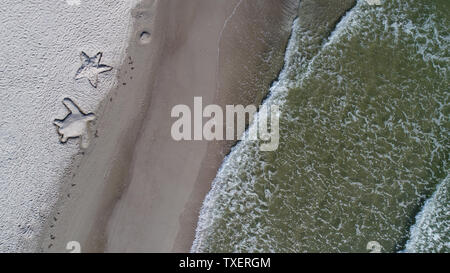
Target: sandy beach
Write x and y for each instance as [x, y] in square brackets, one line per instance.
[108, 108]
[41, 44]
[136, 189]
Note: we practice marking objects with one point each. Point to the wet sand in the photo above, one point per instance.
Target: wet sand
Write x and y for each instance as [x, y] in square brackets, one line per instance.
[136, 189]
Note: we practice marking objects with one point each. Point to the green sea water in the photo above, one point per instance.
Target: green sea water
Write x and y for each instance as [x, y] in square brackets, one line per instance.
[364, 143]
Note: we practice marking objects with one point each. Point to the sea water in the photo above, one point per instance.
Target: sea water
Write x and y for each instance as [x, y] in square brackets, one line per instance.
[364, 143]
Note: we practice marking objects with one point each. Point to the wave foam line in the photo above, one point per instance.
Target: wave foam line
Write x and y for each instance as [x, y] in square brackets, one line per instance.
[430, 233]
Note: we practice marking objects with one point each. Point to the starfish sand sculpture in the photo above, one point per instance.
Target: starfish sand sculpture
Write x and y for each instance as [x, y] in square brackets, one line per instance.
[91, 67]
[75, 124]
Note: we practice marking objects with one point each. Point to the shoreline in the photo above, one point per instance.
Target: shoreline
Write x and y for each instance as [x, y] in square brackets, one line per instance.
[135, 190]
[322, 25]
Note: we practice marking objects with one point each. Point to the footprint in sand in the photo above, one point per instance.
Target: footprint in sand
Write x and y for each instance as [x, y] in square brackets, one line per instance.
[145, 37]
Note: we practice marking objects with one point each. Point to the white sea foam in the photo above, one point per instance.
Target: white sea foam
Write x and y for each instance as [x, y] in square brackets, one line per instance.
[430, 233]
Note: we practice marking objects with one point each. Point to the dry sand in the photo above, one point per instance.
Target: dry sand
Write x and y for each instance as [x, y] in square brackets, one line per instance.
[136, 189]
[40, 46]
